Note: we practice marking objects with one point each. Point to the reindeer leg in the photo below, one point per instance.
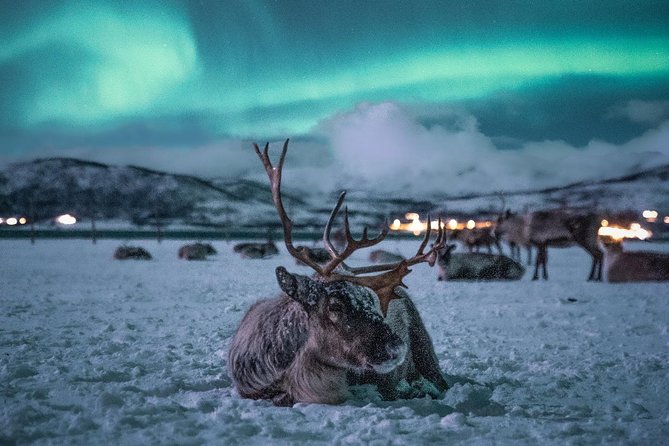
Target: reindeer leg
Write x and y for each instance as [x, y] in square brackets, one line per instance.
[537, 261]
[592, 269]
[544, 261]
[529, 255]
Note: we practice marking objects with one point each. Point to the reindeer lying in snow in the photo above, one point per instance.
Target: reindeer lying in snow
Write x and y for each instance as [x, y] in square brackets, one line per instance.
[476, 266]
[131, 252]
[196, 251]
[256, 250]
[381, 256]
[338, 327]
[633, 266]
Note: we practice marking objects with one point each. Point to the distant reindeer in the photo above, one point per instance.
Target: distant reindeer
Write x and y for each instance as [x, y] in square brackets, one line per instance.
[583, 229]
[318, 255]
[196, 251]
[476, 238]
[131, 252]
[256, 250]
[476, 266]
[633, 266]
[382, 256]
[560, 228]
[511, 228]
[339, 327]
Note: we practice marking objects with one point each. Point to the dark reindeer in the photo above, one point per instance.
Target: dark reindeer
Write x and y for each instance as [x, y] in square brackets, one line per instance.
[476, 266]
[318, 255]
[131, 252]
[196, 251]
[253, 250]
[338, 327]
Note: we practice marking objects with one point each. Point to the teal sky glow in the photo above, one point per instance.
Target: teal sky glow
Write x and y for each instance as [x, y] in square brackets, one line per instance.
[103, 74]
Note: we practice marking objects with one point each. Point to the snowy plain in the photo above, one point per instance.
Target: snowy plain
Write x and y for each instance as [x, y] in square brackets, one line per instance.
[99, 351]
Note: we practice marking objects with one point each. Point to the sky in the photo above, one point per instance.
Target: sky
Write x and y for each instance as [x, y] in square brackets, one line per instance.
[528, 93]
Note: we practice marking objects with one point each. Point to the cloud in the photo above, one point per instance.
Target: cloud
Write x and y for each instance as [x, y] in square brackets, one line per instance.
[383, 147]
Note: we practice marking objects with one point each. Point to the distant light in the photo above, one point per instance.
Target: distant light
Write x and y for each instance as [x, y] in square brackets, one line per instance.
[396, 224]
[452, 224]
[605, 222]
[411, 216]
[66, 219]
[2, 220]
[666, 220]
[11, 221]
[471, 224]
[416, 226]
[22, 220]
[649, 214]
[617, 233]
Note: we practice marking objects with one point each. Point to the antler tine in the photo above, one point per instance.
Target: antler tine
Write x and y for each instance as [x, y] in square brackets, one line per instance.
[352, 244]
[274, 174]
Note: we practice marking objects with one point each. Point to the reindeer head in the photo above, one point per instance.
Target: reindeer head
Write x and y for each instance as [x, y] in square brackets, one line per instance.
[346, 321]
[336, 270]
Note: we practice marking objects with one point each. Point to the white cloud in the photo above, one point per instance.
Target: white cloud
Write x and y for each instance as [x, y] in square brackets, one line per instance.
[383, 147]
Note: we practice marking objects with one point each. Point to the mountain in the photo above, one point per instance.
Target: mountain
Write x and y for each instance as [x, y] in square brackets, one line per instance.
[135, 196]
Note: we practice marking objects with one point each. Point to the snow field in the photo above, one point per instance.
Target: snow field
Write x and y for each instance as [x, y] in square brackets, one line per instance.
[94, 350]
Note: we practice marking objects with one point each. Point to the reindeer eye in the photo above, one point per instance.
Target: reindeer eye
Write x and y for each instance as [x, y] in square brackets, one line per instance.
[336, 307]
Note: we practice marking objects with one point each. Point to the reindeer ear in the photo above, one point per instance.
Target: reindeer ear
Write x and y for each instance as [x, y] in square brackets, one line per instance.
[300, 288]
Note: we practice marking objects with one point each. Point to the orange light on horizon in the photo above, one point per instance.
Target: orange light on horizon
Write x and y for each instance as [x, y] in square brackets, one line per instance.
[617, 233]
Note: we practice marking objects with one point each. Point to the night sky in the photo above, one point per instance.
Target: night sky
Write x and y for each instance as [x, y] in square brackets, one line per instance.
[376, 88]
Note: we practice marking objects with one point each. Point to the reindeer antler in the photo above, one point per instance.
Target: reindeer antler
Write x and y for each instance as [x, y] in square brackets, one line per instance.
[392, 273]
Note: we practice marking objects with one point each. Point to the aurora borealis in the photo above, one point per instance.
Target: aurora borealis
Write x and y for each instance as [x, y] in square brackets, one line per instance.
[94, 77]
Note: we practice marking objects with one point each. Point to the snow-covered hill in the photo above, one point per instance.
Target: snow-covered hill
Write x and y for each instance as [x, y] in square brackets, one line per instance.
[137, 196]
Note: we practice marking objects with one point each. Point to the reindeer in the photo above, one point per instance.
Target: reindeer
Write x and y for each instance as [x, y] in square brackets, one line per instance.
[318, 255]
[382, 256]
[560, 228]
[511, 227]
[476, 266]
[583, 229]
[475, 238]
[633, 266]
[131, 252]
[256, 250]
[196, 251]
[340, 327]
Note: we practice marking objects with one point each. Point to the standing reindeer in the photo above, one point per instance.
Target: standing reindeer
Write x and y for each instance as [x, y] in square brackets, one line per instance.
[633, 266]
[560, 228]
[583, 229]
[475, 238]
[511, 227]
[341, 324]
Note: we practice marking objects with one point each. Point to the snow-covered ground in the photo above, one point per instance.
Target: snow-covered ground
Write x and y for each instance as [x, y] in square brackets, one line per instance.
[98, 351]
